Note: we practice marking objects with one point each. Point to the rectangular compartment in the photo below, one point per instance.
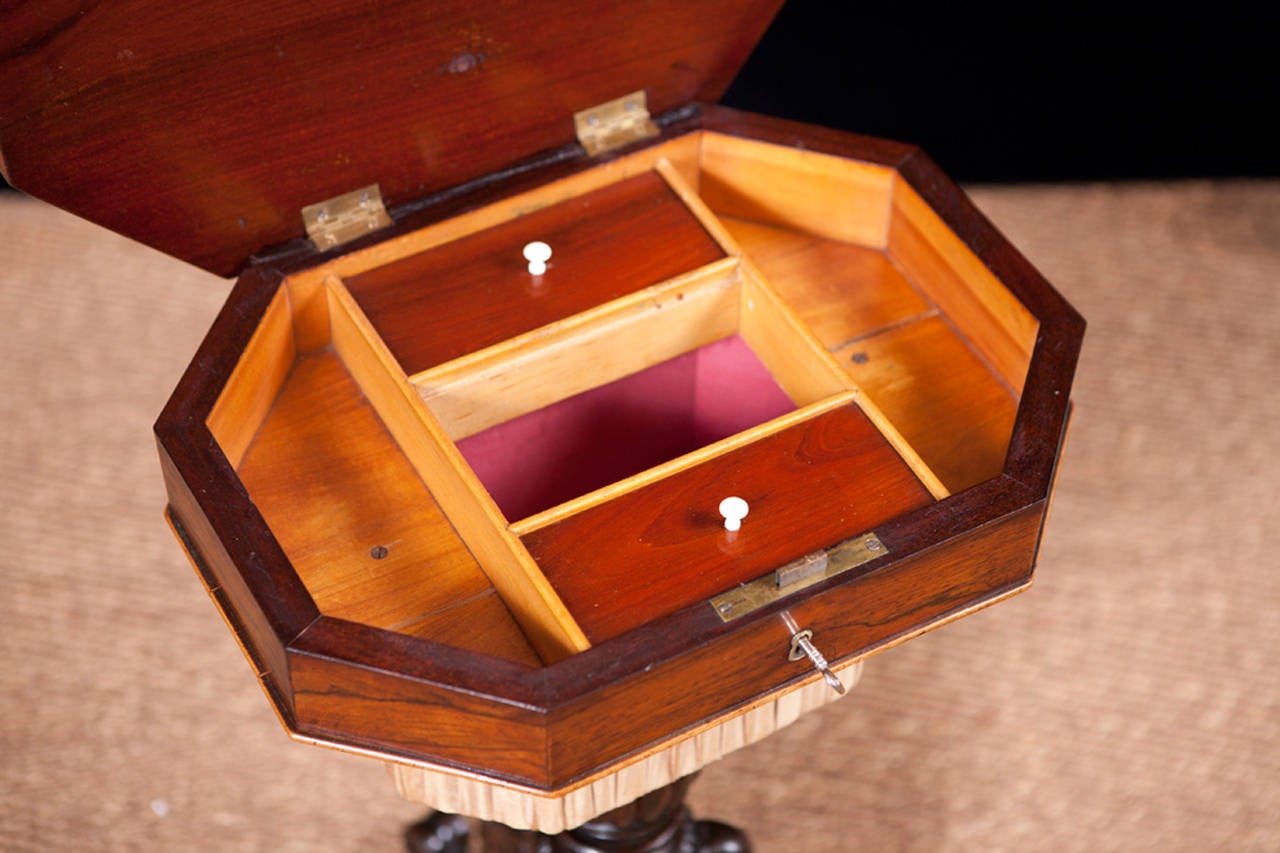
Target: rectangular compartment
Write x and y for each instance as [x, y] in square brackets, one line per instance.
[672, 350]
[607, 434]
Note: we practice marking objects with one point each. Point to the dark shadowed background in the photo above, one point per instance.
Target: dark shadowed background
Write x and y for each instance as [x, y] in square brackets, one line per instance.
[1064, 92]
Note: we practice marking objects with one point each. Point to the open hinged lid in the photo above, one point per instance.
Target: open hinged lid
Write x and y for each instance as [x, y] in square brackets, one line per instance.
[204, 129]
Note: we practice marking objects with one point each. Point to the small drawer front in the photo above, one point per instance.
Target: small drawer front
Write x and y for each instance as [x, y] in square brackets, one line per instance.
[664, 546]
[475, 292]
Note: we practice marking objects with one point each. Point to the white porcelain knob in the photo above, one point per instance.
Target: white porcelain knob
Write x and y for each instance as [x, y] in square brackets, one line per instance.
[734, 510]
[537, 254]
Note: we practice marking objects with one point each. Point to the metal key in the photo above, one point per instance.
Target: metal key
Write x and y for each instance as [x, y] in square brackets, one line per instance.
[802, 646]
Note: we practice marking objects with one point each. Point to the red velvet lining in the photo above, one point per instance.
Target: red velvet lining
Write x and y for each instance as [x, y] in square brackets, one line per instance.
[544, 458]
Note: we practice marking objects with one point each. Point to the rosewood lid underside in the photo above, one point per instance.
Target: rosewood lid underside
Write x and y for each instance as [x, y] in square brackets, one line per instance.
[203, 129]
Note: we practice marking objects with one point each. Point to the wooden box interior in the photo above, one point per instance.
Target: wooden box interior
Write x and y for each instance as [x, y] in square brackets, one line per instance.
[824, 286]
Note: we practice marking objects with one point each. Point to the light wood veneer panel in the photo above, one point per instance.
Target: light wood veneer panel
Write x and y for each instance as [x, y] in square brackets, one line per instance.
[937, 261]
[948, 406]
[832, 197]
[255, 381]
[840, 291]
[331, 483]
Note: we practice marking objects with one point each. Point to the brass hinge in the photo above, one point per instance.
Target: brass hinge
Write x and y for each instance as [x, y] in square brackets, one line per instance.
[614, 123]
[345, 217]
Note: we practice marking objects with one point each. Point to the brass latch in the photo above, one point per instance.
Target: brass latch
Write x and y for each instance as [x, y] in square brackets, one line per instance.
[614, 123]
[795, 576]
[345, 217]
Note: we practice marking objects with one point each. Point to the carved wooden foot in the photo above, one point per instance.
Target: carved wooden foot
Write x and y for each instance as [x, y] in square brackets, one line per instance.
[658, 822]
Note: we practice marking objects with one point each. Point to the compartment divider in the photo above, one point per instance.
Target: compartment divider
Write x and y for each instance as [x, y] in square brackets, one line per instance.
[773, 331]
[530, 371]
[532, 601]
[697, 207]
[762, 330]
[689, 460]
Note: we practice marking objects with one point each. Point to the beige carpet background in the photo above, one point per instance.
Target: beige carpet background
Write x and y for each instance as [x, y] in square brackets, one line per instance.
[1129, 701]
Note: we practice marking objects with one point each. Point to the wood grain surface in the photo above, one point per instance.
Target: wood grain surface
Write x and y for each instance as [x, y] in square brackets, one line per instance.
[372, 708]
[662, 547]
[837, 198]
[878, 609]
[254, 384]
[943, 399]
[568, 808]
[839, 290]
[204, 132]
[992, 320]
[653, 669]
[475, 292]
[473, 514]
[361, 529]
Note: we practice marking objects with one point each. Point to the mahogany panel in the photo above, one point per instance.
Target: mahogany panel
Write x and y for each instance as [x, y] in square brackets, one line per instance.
[340, 696]
[943, 399]
[249, 621]
[849, 618]
[1040, 427]
[662, 547]
[475, 292]
[839, 290]
[203, 131]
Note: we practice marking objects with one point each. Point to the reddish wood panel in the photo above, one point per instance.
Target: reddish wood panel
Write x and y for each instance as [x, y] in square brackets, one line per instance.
[662, 547]
[476, 292]
[204, 132]
[258, 638]
[370, 708]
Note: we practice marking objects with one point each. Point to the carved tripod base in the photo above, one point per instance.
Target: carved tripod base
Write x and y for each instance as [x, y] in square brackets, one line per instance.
[658, 822]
